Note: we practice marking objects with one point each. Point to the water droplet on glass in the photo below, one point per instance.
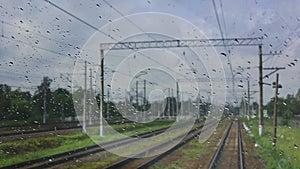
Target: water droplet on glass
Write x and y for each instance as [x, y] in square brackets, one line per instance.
[224, 54]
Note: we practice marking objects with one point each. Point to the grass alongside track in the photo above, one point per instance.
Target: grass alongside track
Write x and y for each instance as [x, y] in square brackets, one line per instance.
[114, 158]
[194, 154]
[285, 154]
[19, 151]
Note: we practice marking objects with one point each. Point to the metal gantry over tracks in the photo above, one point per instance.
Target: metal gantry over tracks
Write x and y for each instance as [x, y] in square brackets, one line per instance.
[177, 43]
[174, 43]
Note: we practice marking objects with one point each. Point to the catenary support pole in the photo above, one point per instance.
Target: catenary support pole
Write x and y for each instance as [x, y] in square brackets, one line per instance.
[91, 98]
[45, 106]
[101, 91]
[144, 101]
[84, 99]
[177, 102]
[248, 105]
[260, 113]
[275, 110]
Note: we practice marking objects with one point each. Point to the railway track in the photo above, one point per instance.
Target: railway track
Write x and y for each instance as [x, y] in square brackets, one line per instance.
[64, 157]
[59, 158]
[17, 130]
[134, 162]
[229, 154]
[39, 128]
[41, 132]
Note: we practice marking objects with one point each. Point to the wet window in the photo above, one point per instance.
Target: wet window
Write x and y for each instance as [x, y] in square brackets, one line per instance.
[145, 78]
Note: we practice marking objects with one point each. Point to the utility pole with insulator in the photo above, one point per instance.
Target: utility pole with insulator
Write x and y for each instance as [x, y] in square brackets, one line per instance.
[260, 82]
[91, 97]
[177, 102]
[137, 94]
[84, 99]
[44, 106]
[101, 91]
[276, 85]
[144, 101]
[248, 93]
[107, 105]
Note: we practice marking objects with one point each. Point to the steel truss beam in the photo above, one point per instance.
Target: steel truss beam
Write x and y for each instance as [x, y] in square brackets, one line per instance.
[203, 79]
[182, 43]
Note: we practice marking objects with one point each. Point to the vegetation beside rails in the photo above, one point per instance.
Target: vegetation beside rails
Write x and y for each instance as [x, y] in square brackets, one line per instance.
[194, 154]
[286, 153]
[138, 128]
[19, 151]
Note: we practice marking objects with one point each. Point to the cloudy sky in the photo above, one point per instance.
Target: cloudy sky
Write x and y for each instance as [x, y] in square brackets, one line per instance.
[39, 38]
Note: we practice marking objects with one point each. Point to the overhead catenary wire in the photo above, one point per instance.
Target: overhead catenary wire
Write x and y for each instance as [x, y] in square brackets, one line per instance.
[37, 34]
[98, 30]
[74, 15]
[139, 28]
[222, 36]
[79, 19]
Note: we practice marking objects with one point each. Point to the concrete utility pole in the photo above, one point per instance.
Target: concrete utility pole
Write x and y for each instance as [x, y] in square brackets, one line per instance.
[169, 103]
[137, 93]
[275, 110]
[44, 105]
[260, 82]
[84, 99]
[107, 105]
[198, 104]
[244, 105]
[144, 101]
[91, 97]
[248, 93]
[101, 91]
[177, 102]
[172, 103]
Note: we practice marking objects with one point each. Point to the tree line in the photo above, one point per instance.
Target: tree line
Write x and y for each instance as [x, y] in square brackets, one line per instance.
[287, 108]
[17, 105]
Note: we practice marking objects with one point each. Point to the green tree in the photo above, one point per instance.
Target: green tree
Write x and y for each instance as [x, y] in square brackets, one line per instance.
[21, 105]
[296, 105]
[78, 101]
[255, 107]
[297, 97]
[61, 105]
[41, 100]
[287, 115]
[281, 106]
[113, 113]
[5, 102]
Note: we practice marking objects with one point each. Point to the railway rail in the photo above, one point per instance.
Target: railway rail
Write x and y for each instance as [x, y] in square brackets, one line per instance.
[229, 153]
[21, 130]
[64, 157]
[134, 162]
[77, 153]
[38, 128]
[233, 130]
